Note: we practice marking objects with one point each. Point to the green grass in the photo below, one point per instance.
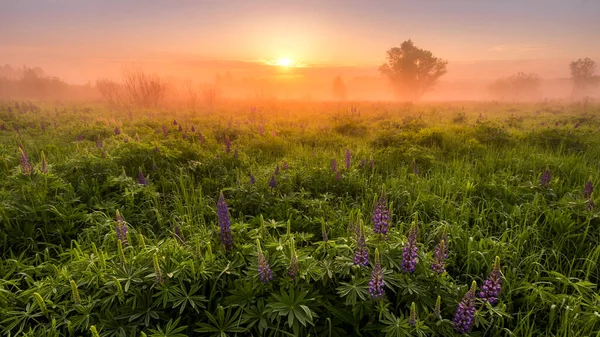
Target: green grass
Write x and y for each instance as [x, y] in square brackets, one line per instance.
[478, 182]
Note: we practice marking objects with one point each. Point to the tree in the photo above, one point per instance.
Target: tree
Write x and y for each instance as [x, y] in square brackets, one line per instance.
[520, 86]
[582, 72]
[412, 70]
[339, 89]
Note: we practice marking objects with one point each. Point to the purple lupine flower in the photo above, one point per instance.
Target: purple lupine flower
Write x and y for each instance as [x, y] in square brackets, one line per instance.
[201, 138]
[285, 165]
[439, 257]
[180, 128]
[415, 168]
[125, 139]
[490, 290]
[99, 142]
[590, 205]
[465, 313]
[142, 179]
[43, 126]
[178, 234]
[588, 189]
[412, 319]
[348, 158]
[338, 175]
[294, 265]
[174, 122]
[380, 216]
[44, 165]
[333, 165]
[264, 269]
[3, 127]
[184, 135]
[117, 131]
[235, 153]
[545, 179]
[157, 271]
[165, 131]
[227, 144]
[260, 130]
[193, 129]
[276, 172]
[371, 163]
[121, 228]
[252, 179]
[224, 223]
[361, 252]
[25, 163]
[409, 255]
[273, 182]
[377, 284]
[363, 162]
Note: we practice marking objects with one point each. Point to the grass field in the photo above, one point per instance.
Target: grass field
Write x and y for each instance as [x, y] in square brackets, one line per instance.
[370, 219]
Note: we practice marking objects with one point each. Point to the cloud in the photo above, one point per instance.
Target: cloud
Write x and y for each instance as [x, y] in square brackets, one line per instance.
[517, 48]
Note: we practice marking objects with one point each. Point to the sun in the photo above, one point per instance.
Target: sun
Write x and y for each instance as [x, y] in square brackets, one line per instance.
[284, 62]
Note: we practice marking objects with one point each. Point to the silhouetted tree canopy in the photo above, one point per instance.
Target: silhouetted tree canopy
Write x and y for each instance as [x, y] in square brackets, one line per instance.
[339, 89]
[582, 72]
[412, 70]
[520, 86]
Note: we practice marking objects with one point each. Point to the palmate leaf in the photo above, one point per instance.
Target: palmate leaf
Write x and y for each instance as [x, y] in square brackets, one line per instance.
[171, 330]
[181, 298]
[396, 326]
[294, 307]
[222, 323]
[357, 288]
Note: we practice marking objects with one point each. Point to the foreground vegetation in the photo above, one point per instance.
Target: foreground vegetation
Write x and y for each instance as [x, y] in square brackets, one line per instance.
[300, 219]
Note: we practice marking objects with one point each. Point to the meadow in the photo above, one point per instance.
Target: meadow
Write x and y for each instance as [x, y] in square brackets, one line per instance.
[300, 219]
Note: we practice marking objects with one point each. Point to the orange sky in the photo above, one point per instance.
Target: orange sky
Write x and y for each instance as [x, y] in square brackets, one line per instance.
[83, 40]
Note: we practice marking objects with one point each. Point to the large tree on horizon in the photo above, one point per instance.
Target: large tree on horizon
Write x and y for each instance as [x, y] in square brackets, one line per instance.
[412, 71]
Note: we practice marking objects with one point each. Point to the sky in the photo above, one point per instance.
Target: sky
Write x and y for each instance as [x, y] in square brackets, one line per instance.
[82, 40]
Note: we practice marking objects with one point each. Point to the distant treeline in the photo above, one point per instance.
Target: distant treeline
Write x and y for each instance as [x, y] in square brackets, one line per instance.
[32, 83]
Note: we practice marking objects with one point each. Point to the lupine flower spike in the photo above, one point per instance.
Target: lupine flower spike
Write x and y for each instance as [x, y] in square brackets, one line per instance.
[333, 165]
[157, 271]
[142, 180]
[439, 257]
[381, 215]
[409, 255]
[412, 319]
[492, 285]
[324, 232]
[361, 253]
[25, 163]
[44, 165]
[465, 313]
[252, 179]
[227, 144]
[348, 158]
[545, 179]
[294, 265]
[121, 228]
[377, 284]
[588, 189]
[437, 311]
[273, 182]
[224, 223]
[75, 293]
[264, 269]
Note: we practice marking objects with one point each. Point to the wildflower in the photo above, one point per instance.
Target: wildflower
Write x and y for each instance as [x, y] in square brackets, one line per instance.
[285, 165]
[348, 157]
[3, 127]
[121, 228]
[201, 138]
[224, 223]
[43, 126]
[377, 283]
[264, 269]
[371, 163]
[439, 257]
[157, 271]
[361, 253]
[227, 144]
[156, 150]
[437, 310]
[272, 182]
[39, 300]
[193, 129]
[324, 232]
[490, 290]
[590, 205]
[412, 319]
[75, 293]
[117, 131]
[588, 189]
[465, 313]
[545, 179]
[252, 179]
[25, 163]
[142, 179]
[99, 142]
[338, 175]
[276, 172]
[180, 128]
[165, 130]
[235, 154]
[363, 162]
[294, 265]
[409, 255]
[333, 165]
[380, 216]
[174, 122]
[178, 234]
[415, 168]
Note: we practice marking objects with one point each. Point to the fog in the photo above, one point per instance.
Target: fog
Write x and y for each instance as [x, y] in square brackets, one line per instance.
[196, 81]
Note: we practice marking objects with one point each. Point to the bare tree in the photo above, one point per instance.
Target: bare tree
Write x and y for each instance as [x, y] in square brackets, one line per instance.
[142, 89]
